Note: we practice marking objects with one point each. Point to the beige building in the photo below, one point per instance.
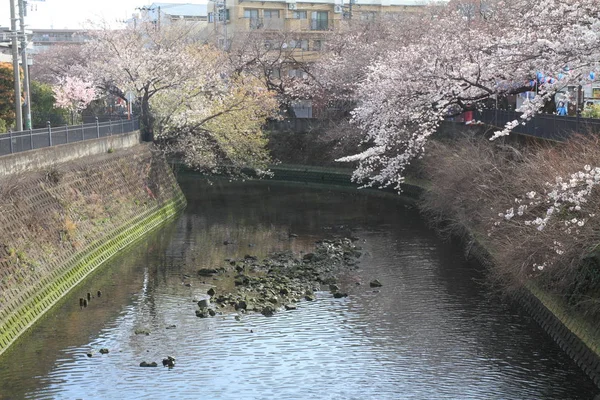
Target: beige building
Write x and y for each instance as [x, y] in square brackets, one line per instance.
[309, 20]
[299, 28]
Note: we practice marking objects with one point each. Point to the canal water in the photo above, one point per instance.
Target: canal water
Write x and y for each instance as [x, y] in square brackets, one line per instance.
[431, 331]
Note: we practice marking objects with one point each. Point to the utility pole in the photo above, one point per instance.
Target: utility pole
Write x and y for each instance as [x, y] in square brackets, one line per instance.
[159, 18]
[17, 77]
[26, 89]
[222, 14]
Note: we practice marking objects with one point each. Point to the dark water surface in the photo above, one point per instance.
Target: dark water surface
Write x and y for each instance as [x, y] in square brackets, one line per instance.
[429, 333]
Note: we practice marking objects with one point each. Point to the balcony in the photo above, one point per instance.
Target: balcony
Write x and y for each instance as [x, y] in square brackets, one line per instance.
[321, 24]
[269, 24]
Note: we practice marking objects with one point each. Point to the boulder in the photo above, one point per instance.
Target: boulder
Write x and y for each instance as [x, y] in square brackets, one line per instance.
[204, 303]
[147, 364]
[168, 362]
[207, 271]
[339, 295]
[308, 256]
[202, 313]
[241, 280]
[267, 311]
[375, 283]
[241, 305]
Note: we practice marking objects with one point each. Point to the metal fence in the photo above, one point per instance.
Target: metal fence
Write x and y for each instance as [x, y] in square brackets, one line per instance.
[295, 125]
[15, 142]
[545, 126]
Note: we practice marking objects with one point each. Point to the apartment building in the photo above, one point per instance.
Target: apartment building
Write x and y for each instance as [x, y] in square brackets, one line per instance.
[310, 20]
[44, 39]
[300, 28]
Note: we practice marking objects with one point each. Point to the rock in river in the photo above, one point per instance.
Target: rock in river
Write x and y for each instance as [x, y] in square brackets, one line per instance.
[207, 271]
[375, 283]
[147, 364]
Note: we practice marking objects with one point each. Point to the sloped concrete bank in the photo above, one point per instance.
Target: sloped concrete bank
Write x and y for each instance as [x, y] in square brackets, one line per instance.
[573, 334]
[60, 223]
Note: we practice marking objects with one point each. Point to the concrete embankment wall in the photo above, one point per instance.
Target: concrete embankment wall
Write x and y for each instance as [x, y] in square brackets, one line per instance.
[567, 330]
[58, 222]
[48, 156]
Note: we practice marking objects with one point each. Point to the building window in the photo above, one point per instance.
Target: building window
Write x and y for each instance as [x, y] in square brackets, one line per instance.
[319, 21]
[211, 17]
[272, 44]
[300, 44]
[250, 13]
[317, 45]
[271, 13]
[226, 11]
[368, 16]
[300, 14]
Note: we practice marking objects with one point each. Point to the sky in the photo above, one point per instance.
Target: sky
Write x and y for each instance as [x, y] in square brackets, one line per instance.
[74, 14]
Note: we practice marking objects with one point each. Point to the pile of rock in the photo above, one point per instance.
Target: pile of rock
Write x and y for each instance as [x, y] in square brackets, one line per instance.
[280, 280]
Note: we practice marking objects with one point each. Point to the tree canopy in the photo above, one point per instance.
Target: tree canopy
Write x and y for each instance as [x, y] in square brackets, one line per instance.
[445, 60]
[193, 100]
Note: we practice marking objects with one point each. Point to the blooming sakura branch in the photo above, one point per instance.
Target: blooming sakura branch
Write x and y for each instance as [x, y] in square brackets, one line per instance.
[445, 63]
[74, 94]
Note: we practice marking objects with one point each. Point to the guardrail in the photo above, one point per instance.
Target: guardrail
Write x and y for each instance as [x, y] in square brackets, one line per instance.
[546, 126]
[15, 142]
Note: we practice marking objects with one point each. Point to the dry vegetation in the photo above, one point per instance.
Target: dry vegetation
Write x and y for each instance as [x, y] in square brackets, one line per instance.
[487, 188]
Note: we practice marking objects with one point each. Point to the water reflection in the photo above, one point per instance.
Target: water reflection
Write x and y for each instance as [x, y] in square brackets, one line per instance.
[429, 332]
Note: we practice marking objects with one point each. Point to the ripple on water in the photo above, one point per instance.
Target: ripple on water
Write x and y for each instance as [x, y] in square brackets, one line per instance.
[428, 333]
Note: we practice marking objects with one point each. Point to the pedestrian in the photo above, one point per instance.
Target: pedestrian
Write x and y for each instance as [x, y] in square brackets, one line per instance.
[561, 109]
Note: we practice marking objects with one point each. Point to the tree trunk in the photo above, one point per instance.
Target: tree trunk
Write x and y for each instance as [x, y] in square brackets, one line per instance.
[146, 119]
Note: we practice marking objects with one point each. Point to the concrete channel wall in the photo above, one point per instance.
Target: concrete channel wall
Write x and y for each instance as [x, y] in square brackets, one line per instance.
[565, 329]
[60, 221]
[45, 157]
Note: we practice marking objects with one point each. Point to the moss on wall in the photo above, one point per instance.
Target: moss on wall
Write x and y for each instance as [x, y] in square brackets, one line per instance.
[58, 225]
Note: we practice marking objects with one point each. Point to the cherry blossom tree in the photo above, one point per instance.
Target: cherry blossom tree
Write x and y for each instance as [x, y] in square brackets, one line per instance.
[73, 94]
[452, 61]
[193, 100]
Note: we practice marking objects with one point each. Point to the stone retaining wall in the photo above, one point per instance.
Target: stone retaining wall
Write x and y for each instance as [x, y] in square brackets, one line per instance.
[58, 224]
[565, 329]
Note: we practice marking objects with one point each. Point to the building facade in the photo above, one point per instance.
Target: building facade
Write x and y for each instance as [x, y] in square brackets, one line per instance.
[310, 20]
[44, 39]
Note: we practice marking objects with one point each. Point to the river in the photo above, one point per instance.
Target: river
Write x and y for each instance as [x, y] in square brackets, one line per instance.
[432, 331]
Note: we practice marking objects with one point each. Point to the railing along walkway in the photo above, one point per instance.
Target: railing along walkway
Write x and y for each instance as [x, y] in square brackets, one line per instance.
[15, 142]
[546, 126]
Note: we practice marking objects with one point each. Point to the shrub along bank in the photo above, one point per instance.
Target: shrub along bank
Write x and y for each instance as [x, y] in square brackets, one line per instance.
[58, 225]
[536, 211]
